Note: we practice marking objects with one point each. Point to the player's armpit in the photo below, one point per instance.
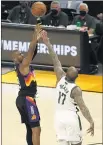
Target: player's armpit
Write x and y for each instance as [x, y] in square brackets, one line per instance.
[77, 95]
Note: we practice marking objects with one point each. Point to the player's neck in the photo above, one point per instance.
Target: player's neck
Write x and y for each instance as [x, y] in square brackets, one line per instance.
[69, 80]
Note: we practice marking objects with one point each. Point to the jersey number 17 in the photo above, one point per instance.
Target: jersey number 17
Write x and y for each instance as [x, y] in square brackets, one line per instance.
[61, 98]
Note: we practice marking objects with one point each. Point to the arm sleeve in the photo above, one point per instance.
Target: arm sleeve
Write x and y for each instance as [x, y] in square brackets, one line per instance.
[35, 52]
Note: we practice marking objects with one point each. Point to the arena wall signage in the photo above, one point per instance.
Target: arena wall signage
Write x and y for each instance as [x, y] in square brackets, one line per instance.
[65, 44]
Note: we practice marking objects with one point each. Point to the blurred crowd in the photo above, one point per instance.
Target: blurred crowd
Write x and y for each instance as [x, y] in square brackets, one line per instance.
[77, 11]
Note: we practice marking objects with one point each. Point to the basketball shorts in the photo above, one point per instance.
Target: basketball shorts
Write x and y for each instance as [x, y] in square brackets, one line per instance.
[68, 126]
[28, 110]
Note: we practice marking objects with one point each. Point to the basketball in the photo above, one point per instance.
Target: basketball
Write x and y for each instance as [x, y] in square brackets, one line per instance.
[38, 9]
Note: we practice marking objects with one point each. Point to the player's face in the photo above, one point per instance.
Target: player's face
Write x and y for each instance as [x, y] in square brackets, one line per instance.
[18, 56]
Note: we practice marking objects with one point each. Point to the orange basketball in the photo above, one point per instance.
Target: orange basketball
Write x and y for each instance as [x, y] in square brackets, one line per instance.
[38, 9]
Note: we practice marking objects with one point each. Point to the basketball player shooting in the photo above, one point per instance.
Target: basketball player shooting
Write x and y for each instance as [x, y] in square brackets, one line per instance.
[67, 122]
[25, 102]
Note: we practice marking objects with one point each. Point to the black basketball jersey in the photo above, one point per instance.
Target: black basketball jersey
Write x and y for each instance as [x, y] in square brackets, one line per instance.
[27, 82]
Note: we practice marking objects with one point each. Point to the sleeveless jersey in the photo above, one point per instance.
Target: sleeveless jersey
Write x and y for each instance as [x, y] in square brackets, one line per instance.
[27, 83]
[63, 96]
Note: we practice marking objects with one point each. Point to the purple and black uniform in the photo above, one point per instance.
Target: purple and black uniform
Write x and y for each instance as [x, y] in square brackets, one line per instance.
[25, 101]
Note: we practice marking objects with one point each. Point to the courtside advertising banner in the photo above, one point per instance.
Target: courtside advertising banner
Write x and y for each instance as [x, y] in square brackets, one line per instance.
[65, 43]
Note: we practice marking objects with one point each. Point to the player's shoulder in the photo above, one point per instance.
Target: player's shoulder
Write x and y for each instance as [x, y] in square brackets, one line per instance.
[76, 91]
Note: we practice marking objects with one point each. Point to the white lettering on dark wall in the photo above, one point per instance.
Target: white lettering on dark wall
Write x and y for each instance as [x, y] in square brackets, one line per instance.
[73, 50]
[6, 45]
[23, 47]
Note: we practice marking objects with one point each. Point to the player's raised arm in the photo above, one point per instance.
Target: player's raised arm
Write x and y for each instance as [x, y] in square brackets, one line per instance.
[57, 65]
[36, 36]
[77, 95]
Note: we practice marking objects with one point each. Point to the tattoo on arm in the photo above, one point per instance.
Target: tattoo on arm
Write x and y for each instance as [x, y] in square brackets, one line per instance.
[77, 95]
[57, 65]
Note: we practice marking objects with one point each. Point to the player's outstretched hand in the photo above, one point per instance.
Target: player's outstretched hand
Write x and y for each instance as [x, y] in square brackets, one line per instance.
[37, 32]
[91, 129]
[44, 37]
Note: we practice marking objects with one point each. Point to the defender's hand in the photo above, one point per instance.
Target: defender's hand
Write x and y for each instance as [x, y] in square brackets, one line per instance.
[91, 129]
[44, 37]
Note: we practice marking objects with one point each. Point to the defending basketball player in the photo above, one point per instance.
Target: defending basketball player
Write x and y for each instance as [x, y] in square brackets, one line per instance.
[25, 101]
[67, 121]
